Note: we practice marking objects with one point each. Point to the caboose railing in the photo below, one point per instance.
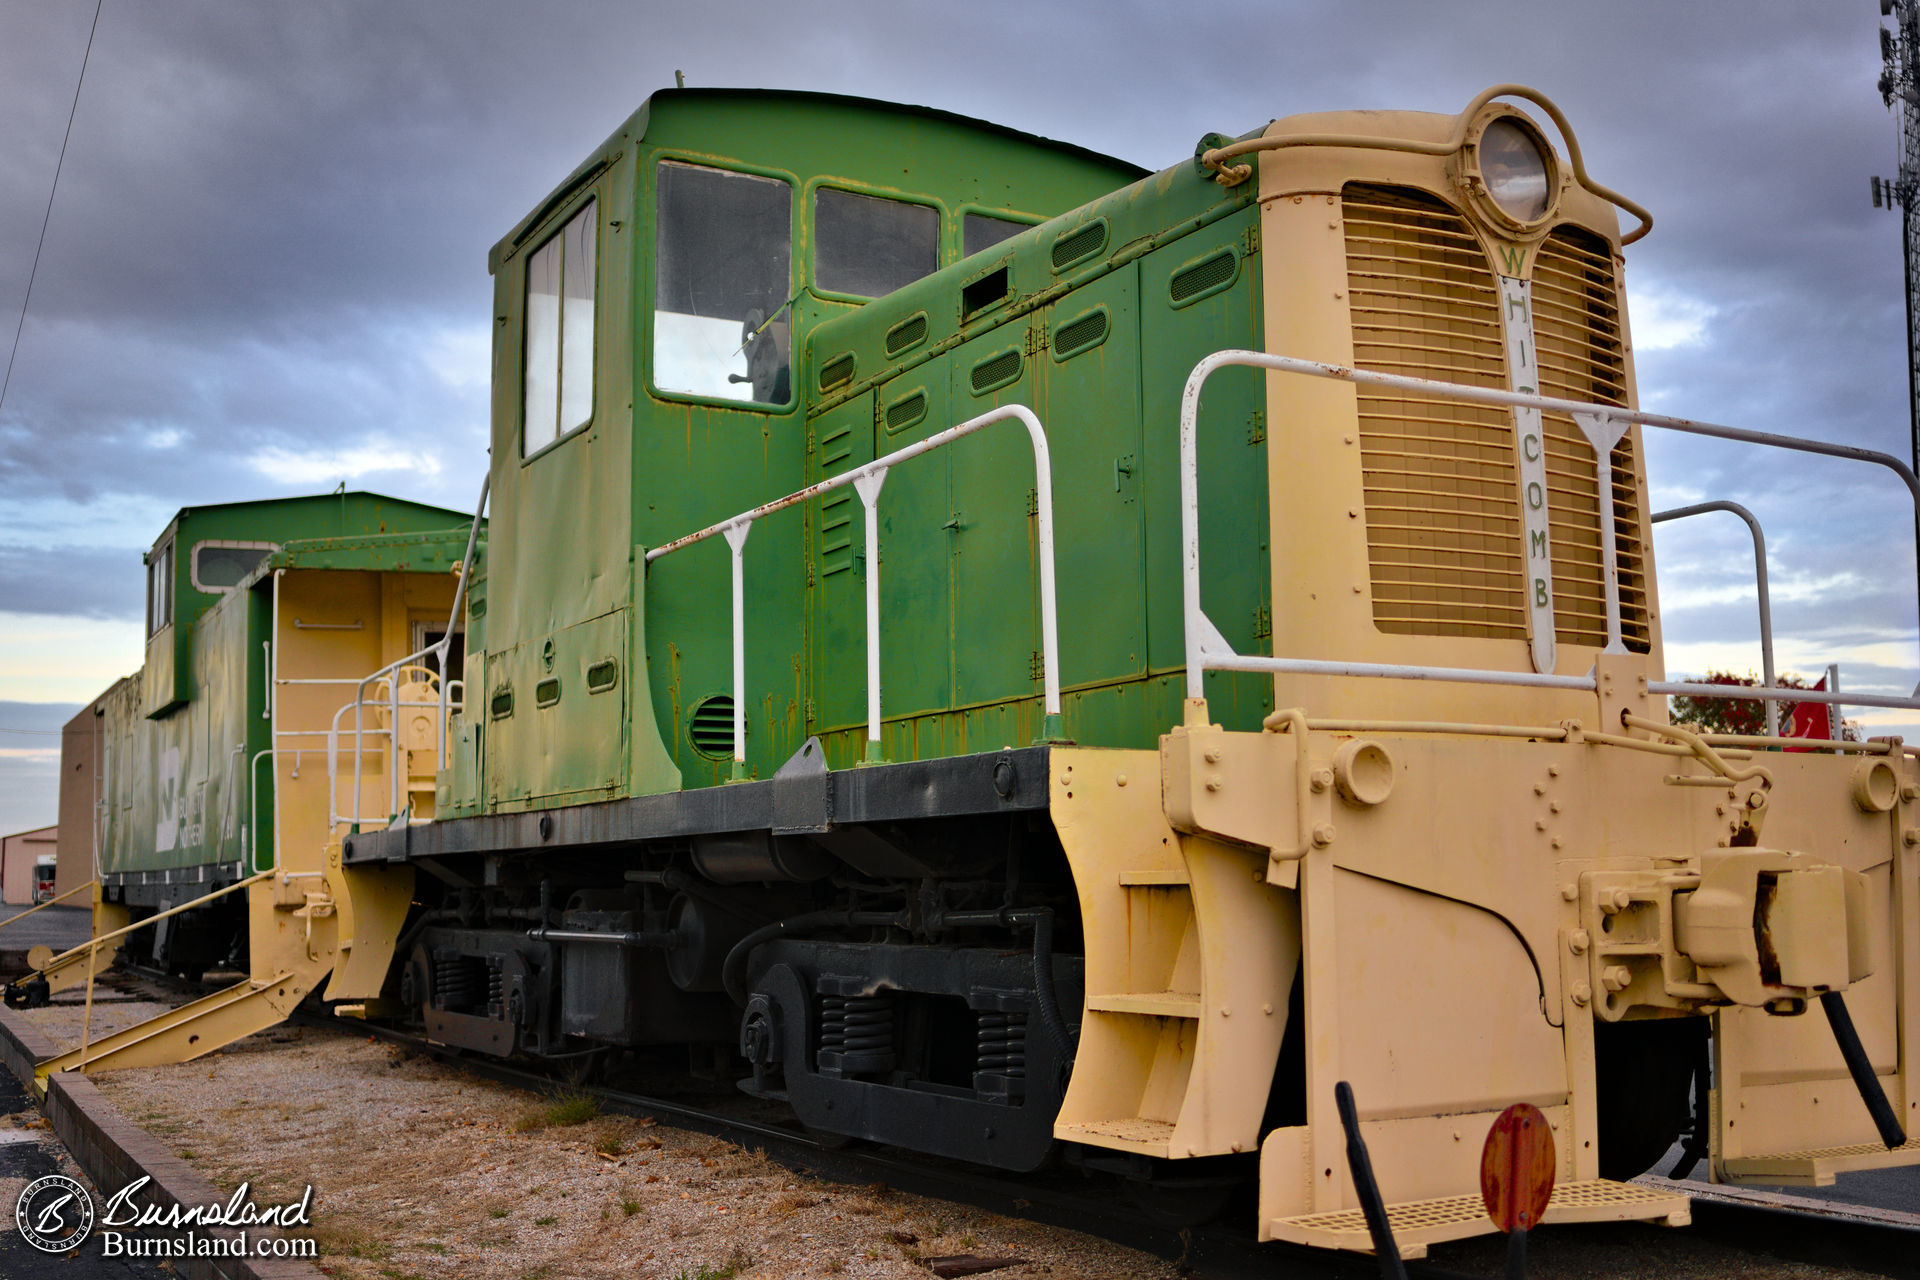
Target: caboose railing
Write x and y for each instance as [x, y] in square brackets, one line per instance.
[867, 480]
[1603, 425]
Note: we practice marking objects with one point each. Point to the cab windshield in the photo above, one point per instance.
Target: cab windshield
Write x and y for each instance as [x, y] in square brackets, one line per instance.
[723, 273]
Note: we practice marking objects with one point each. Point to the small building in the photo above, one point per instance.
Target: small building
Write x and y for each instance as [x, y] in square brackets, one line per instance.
[20, 853]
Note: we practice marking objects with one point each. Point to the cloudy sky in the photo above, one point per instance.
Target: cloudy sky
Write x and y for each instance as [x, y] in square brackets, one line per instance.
[265, 271]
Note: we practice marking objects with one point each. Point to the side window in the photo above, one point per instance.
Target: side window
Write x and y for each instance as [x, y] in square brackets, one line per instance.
[558, 375]
[160, 589]
[868, 246]
[979, 231]
[221, 566]
[723, 274]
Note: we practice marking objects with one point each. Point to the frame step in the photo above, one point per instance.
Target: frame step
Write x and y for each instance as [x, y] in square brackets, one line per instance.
[1143, 1137]
[1420, 1223]
[1817, 1168]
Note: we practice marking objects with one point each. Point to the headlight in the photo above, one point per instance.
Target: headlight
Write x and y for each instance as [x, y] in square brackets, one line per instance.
[1515, 170]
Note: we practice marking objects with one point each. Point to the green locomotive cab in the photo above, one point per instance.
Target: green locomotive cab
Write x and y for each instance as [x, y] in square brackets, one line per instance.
[651, 316]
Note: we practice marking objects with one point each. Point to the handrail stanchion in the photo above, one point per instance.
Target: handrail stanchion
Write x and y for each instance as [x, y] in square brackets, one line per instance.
[1759, 579]
[868, 487]
[737, 540]
[1603, 432]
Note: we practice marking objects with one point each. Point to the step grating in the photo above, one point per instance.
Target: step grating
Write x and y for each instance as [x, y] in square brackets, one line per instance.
[1419, 1223]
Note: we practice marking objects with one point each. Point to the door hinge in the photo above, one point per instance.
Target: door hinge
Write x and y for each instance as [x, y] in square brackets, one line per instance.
[1036, 668]
[1033, 501]
[1037, 337]
[1250, 241]
[1256, 426]
[809, 712]
[1263, 622]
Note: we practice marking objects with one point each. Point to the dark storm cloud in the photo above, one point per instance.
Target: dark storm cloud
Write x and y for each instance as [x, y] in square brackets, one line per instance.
[267, 259]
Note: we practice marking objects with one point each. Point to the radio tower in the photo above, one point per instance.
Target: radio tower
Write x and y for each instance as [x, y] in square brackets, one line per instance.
[1900, 90]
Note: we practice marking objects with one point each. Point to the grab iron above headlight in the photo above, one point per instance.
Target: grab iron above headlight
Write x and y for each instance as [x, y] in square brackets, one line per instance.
[1516, 171]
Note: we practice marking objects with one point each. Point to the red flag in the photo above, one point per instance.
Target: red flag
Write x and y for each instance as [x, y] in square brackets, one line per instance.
[1812, 719]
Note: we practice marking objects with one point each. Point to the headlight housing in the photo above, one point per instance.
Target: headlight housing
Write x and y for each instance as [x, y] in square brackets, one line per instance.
[1517, 169]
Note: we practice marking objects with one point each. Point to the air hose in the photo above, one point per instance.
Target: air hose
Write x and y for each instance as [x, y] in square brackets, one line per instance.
[1861, 1069]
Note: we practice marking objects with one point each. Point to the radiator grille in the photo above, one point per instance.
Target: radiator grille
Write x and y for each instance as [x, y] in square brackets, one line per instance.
[1443, 508]
[1576, 324]
[1443, 513]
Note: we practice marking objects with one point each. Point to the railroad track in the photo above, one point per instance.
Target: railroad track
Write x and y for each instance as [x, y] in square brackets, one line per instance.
[1739, 1229]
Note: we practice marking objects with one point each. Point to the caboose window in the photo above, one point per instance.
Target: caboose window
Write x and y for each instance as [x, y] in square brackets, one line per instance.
[160, 589]
[220, 566]
[723, 275]
[979, 232]
[868, 247]
[559, 368]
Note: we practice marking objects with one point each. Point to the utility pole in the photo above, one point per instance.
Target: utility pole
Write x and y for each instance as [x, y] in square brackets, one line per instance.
[1900, 90]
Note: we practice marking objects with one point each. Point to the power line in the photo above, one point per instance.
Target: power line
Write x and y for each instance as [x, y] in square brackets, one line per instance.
[48, 216]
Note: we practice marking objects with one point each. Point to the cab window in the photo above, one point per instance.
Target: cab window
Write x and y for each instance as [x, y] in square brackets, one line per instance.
[868, 246]
[160, 589]
[558, 374]
[723, 274]
[221, 566]
[980, 231]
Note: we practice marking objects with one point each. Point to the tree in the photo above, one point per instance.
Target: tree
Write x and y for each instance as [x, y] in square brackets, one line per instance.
[1741, 715]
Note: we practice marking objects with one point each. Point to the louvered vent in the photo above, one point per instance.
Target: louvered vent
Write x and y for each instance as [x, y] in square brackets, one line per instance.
[1209, 275]
[910, 332]
[1443, 509]
[1079, 335]
[1076, 246]
[996, 371]
[1576, 325]
[710, 727]
[1443, 517]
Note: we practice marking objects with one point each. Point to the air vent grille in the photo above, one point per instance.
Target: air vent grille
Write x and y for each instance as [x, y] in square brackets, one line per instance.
[1209, 275]
[910, 332]
[1079, 335]
[836, 371]
[500, 706]
[546, 693]
[603, 675]
[995, 371]
[906, 411]
[710, 727]
[1077, 246]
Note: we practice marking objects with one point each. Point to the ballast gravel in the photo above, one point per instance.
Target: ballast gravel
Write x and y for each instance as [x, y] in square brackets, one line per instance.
[421, 1171]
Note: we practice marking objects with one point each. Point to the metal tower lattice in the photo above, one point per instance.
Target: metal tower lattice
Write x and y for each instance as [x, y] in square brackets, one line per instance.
[1900, 90]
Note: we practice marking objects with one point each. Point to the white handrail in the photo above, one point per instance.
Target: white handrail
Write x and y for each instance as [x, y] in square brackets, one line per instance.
[867, 480]
[1759, 578]
[1602, 424]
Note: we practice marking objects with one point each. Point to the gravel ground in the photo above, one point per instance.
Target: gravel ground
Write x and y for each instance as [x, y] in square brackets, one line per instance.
[421, 1171]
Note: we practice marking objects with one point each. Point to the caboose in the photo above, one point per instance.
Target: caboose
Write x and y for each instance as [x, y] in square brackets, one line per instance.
[1040, 661]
